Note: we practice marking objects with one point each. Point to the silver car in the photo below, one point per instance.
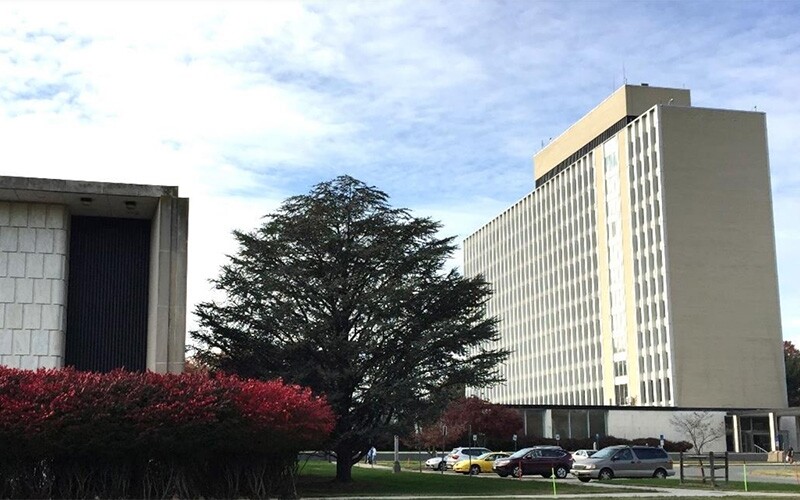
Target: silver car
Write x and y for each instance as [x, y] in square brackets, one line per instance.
[624, 461]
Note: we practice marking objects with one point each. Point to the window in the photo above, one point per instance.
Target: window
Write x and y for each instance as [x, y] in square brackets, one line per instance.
[650, 453]
[624, 455]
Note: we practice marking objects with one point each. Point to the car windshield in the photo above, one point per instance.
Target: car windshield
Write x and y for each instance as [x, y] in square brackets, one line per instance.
[605, 453]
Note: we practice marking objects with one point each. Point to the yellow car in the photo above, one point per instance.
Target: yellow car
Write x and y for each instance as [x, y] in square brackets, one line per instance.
[479, 464]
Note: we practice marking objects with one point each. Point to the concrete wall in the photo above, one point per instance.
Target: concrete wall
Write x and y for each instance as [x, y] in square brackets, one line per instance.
[166, 320]
[628, 100]
[33, 274]
[639, 424]
[722, 272]
[34, 239]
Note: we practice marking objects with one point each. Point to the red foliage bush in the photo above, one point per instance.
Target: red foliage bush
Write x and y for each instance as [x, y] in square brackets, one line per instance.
[135, 420]
[76, 412]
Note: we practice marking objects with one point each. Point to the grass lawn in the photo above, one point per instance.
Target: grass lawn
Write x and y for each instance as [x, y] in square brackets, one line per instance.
[752, 486]
[316, 480]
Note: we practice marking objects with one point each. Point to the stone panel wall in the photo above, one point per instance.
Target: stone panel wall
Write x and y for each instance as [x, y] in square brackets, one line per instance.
[33, 283]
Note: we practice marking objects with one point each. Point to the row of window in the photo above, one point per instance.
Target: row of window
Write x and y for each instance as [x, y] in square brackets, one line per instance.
[649, 263]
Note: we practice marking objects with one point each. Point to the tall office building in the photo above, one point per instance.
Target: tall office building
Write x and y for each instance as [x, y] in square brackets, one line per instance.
[641, 269]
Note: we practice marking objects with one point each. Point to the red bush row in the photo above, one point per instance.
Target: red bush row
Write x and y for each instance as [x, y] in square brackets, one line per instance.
[55, 412]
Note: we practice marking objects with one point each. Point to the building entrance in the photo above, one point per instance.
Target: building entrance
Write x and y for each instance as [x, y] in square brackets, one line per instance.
[107, 295]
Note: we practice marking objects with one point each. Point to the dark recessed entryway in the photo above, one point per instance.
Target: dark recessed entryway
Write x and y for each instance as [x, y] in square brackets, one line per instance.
[107, 299]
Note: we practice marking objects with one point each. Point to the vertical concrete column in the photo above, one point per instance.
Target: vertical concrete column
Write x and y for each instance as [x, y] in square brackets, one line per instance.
[166, 330]
[548, 423]
[525, 422]
[737, 438]
[772, 434]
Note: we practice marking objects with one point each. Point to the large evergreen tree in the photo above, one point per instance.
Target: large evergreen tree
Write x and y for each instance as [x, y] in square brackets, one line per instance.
[340, 292]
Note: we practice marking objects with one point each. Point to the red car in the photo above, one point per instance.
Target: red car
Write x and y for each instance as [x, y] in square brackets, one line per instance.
[541, 460]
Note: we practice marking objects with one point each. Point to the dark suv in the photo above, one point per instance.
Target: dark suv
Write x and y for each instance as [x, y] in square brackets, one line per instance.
[543, 460]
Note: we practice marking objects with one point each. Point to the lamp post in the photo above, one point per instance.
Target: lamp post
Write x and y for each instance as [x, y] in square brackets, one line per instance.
[396, 467]
[444, 435]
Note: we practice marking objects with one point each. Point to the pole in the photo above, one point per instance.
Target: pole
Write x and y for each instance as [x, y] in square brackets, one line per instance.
[711, 466]
[727, 467]
[744, 472]
[469, 438]
[444, 435]
[553, 477]
[396, 467]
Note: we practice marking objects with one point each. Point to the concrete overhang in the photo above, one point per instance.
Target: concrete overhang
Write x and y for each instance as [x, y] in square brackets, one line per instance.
[83, 198]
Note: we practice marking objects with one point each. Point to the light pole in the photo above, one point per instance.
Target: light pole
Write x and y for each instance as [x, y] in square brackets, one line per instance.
[444, 435]
[396, 467]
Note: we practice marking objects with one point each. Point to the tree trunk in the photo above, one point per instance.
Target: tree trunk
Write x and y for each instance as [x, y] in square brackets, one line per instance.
[344, 464]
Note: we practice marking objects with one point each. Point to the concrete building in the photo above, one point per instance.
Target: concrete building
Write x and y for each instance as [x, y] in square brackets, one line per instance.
[92, 275]
[641, 270]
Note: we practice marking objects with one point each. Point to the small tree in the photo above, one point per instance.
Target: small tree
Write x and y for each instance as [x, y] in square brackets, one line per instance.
[340, 292]
[699, 427]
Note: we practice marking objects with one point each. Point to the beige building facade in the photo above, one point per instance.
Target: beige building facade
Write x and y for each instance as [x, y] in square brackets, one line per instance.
[92, 275]
[641, 270]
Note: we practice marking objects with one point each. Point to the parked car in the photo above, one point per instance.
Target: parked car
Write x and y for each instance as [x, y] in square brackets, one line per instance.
[482, 463]
[435, 463]
[543, 460]
[461, 453]
[624, 461]
[581, 454]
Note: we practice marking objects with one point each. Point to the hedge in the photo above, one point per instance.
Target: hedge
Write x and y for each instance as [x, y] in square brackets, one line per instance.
[71, 434]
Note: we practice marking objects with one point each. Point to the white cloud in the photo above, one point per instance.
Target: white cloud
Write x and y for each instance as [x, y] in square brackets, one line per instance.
[441, 104]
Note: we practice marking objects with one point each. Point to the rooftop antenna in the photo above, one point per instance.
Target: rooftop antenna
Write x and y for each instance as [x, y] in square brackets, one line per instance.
[624, 78]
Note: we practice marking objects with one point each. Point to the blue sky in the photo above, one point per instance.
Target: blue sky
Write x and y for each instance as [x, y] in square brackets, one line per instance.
[440, 104]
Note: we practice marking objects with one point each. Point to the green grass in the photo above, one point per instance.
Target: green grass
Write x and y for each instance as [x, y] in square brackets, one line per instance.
[752, 486]
[316, 480]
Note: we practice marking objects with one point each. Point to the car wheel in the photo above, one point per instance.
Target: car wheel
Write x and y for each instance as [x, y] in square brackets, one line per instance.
[606, 474]
[584, 479]
[517, 472]
[660, 474]
[561, 472]
[440, 466]
[475, 470]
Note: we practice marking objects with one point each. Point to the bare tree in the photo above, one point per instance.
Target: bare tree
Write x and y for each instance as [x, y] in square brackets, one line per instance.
[700, 427]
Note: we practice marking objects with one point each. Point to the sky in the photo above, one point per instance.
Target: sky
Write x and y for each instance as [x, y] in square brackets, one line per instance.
[441, 104]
